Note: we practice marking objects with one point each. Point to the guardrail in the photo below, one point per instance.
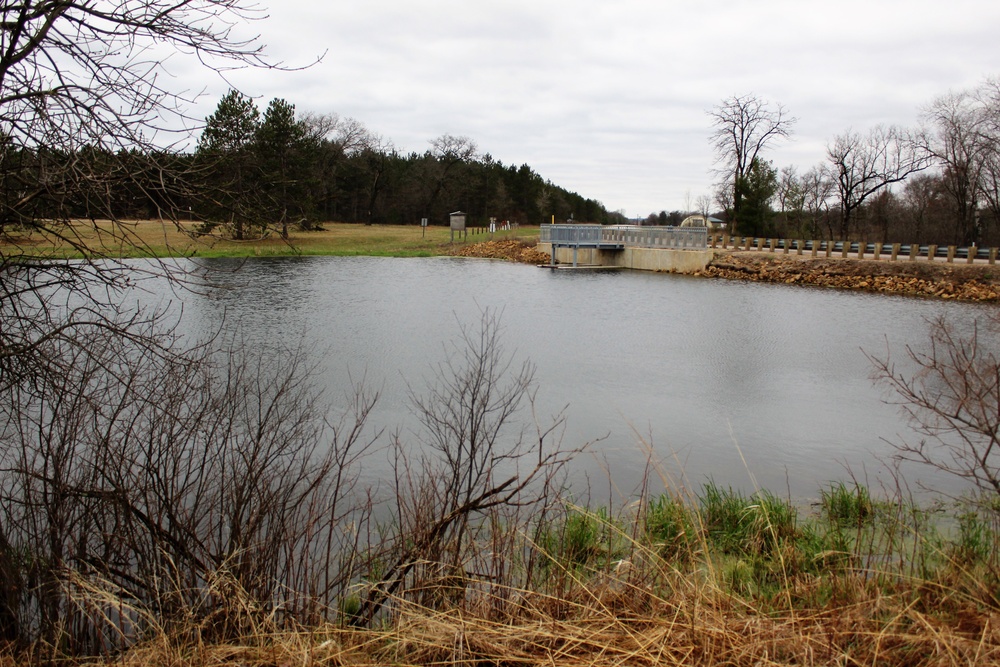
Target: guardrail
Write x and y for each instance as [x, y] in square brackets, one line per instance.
[892, 251]
[689, 238]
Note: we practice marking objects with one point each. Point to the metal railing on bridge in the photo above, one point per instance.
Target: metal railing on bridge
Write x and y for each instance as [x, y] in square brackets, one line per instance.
[684, 238]
[572, 235]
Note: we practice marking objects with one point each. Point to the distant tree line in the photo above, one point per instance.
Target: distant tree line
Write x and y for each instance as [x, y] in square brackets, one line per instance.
[938, 183]
[256, 171]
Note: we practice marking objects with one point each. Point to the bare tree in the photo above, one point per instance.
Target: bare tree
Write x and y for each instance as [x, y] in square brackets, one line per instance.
[723, 195]
[197, 489]
[80, 74]
[448, 152]
[84, 117]
[817, 188]
[376, 152]
[951, 394]
[745, 126]
[864, 165]
[789, 196]
[347, 134]
[703, 205]
[451, 150]
[477, 467]
[958, 142]
[803, 199]
[338, 139]
[988, 96]
[922, 199]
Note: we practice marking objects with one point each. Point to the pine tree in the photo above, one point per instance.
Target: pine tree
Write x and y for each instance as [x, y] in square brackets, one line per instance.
[226, 148]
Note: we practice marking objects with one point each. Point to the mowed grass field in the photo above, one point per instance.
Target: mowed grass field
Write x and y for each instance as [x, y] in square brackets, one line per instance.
[151, 238]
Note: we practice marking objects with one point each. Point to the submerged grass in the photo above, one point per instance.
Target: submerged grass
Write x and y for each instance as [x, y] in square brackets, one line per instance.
[848, 505]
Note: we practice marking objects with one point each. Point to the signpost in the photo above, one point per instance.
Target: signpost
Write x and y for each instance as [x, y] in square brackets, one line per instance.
[458, 225]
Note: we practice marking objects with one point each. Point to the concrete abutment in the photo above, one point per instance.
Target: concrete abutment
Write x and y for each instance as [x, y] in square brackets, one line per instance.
[669, 260]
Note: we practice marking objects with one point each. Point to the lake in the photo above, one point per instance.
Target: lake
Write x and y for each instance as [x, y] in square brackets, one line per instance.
[750, 385]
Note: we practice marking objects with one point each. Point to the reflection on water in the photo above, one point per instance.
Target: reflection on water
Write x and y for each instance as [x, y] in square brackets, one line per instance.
[741, 382]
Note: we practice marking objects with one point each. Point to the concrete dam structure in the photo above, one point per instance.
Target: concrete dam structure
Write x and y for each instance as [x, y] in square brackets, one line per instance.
[667, 249]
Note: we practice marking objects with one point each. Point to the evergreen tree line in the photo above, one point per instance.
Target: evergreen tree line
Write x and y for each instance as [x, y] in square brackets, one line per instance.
[256, 172]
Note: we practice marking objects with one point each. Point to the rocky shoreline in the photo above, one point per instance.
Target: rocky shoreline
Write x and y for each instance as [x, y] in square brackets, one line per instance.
[964, 282]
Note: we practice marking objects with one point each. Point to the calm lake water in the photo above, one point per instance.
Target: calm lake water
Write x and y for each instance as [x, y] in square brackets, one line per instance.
[746, 384]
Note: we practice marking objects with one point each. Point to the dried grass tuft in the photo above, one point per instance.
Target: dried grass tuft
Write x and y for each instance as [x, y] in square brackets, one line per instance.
[613, 623]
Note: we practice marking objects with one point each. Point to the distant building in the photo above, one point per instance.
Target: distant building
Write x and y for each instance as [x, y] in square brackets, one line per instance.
[713, 223]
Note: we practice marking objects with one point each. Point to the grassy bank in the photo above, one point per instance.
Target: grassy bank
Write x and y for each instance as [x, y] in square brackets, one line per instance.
[979, 282]
[163, 239]
[710, 578]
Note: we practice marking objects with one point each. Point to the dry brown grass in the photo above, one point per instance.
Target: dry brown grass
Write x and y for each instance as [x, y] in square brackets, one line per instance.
[616, 621]
[626, 626]
[143, 238]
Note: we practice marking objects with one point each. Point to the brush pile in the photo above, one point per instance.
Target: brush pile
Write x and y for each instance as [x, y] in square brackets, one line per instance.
[512, 250]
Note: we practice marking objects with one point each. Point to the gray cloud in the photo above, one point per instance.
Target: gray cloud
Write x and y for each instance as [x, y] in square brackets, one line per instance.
[611, 99]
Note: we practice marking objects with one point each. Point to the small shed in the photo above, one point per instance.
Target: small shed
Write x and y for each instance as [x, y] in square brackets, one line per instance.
[712, 223]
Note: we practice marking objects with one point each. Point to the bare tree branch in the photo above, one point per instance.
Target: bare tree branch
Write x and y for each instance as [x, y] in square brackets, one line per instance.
[745, 126]
[952, 399]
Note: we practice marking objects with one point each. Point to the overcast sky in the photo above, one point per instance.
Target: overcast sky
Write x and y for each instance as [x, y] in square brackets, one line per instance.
[609, 98]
